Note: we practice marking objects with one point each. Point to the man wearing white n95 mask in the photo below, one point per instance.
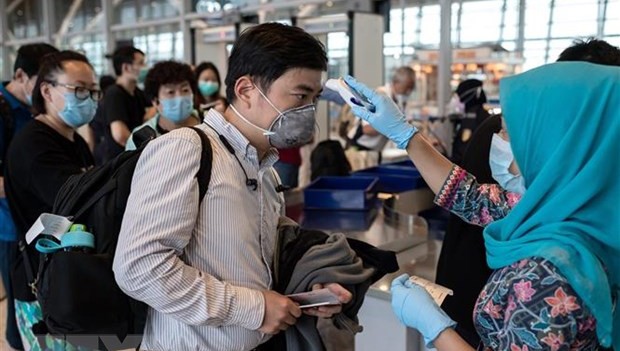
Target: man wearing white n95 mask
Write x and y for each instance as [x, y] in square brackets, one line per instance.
[205, 270]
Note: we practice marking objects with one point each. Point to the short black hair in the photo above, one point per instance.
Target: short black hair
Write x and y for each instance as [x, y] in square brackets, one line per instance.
[168, 72]
[266, 51]
[592, 50]
[122, 55]
[29, 57]
[52, 65]
[203, 66]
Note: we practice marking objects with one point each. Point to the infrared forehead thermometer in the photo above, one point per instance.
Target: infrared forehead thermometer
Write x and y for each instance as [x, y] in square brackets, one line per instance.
[351, 96]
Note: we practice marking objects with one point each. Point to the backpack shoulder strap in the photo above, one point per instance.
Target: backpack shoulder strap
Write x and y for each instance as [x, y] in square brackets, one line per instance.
[206, 162]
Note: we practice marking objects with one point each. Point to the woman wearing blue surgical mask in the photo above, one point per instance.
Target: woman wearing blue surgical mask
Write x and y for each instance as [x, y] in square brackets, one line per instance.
[209, 86]
[41, 158]
[171, 87]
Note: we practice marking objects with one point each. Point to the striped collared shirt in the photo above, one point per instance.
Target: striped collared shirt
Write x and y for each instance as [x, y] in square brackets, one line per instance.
[201, 270]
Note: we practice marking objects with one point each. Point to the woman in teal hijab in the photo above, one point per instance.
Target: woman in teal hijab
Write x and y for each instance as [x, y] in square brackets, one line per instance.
[557, 254]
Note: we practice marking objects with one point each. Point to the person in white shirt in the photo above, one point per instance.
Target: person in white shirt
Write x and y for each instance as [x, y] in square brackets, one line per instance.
[363, 135]
[205, 270]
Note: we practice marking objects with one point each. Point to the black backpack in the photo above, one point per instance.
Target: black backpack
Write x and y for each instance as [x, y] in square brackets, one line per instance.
[328, 159]
[77, 291]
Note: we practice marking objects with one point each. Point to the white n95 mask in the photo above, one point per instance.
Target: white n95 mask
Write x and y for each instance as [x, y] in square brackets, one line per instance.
[500, 158]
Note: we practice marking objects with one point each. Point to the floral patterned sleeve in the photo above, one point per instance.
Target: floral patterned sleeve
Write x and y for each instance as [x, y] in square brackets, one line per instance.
[478, 204]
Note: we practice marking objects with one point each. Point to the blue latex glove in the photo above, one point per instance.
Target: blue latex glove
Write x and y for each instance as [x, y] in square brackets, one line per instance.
[415, 308]
[387, 118]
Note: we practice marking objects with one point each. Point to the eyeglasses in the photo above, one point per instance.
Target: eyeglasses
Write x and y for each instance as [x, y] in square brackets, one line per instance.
[82, 93]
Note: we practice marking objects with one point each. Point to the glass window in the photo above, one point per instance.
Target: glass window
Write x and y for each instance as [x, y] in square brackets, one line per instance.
[131, 11]
[511, 20]
[88, 16]
[155, 9]
[25, 19]
[411, 24]
[395, 35]
[126, 12]
[454, 33]
[11, 52]
[615, 41]
[430, 25]
[574, 18]
[337, 54]
[534, 53]
[480, 21]
[158, 43]
[92, 46]
[537, 18]
[204, 6]
[612, 22]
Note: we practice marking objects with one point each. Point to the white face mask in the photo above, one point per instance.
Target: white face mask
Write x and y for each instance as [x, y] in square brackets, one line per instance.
[500, 158]
[292, 128]
[455, 106]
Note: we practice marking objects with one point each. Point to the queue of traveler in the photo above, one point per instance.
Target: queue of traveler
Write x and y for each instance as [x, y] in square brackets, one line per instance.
[547, 264]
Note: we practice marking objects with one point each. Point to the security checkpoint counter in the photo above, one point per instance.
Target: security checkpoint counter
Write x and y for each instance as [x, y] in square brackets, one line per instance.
[393, 225]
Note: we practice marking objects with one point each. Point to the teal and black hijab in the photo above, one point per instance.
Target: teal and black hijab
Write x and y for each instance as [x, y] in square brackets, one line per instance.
[564, 126]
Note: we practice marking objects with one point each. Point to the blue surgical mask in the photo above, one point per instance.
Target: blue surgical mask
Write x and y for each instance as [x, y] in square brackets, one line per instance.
[28, 97]
[77, 113]
[178, 108]
[500, 158]
[208, 87]
[142, 75]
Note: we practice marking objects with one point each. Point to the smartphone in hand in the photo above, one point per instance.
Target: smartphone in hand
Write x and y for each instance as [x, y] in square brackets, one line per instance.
[315, 298]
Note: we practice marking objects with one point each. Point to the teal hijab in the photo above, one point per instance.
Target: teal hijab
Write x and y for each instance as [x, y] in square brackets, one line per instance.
[564, 125]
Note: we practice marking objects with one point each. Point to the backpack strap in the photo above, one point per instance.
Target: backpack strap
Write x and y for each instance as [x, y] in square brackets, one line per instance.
[206, 161]
[203, 175]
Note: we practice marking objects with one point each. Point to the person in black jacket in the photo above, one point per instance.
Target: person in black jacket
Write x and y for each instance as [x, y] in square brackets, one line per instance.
[42, 157]
[463, 244]
[471, 98]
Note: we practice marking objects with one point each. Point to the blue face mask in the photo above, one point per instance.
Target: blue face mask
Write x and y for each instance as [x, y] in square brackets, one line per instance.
[77, 113]
[177, 109]
[208, 87]
[28, 97]
[500, 158]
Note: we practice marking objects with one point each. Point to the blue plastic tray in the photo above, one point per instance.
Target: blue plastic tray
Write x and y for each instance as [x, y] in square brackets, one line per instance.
[338, 220]
[401, 164]
[341, 193]
[394, 179]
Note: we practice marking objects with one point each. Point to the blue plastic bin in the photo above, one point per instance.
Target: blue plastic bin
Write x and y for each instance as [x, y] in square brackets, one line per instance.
[338, 220]
[400, 164]
[341, 193]
[394, 179]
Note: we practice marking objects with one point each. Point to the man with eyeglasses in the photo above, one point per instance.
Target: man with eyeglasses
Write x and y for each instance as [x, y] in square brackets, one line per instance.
[15, 113]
